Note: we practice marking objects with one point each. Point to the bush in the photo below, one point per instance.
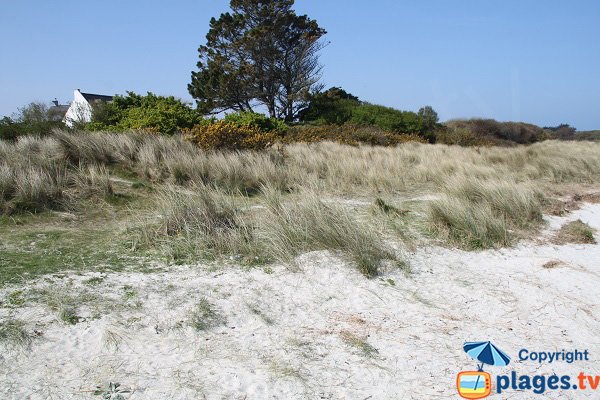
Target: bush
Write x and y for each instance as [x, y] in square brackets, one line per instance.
[347, 134]
[35, 119]
[387, 118]
[255, 120]
[334, 106]
[223, 135]
[10, 129]
[338, 107]
[489, 132]
[151, 113]
[561, 132]
[461, 136]
[592, 136]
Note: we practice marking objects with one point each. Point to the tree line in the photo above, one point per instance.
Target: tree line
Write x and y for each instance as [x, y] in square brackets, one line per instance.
[262, 56]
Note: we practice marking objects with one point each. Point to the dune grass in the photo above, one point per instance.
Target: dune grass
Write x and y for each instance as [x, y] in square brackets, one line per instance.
[475, 214]
[14, 334]
[191, 204]
[577, 232]
[290, 229]
[205, 316]
[196, 223]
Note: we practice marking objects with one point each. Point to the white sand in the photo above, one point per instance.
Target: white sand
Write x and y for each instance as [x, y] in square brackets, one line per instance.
[292, 346]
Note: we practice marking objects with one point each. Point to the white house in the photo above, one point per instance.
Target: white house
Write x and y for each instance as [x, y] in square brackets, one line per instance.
[80, 109]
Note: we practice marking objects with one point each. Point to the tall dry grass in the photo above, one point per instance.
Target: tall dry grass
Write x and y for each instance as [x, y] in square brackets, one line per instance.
[332, 167]
[486, 194]
[290, 229]
[197, 222]
[477, 214]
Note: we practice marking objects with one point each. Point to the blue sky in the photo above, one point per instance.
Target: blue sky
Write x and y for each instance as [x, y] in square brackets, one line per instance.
[535, 61]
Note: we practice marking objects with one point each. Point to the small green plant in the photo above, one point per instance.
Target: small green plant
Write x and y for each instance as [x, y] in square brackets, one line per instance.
[268, 270]
[68, 314]
[129, 292]
[361, 344]
[16, 298]
[256, 310]
[13, 333]
[96, 280]
[285, 370]
[111, 391]
[64, 305]
[577, 232]
[205, 316]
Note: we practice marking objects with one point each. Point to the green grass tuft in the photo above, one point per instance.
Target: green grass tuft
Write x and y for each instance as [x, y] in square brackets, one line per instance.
[205, 316]
[14, 334]
[292, 229]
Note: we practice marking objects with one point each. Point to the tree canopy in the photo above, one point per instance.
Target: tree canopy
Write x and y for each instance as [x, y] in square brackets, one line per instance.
[333, 106]
[33, 119]
[260, 54]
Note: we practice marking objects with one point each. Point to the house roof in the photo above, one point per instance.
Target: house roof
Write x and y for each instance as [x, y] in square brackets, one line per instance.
[57, 112]
[96, 97]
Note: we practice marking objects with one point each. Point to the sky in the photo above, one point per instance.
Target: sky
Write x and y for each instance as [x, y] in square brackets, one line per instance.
[525, 60]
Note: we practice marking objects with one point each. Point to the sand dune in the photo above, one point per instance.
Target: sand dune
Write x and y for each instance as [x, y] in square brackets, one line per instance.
[322, 332]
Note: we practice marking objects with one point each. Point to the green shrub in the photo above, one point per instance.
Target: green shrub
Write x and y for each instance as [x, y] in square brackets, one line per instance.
[255, 120]
[151, 113]
[338, 107]
[347, 134]
[490, 132]
[387, 118]
[334, 106]
[223, 135]
[10, 129]
[35, 119]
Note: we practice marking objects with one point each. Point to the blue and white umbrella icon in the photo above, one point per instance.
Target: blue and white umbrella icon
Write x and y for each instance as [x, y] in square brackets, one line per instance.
[486, 353]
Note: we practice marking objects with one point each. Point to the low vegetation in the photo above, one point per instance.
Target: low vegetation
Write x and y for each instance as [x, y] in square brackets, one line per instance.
[32, 119]
[198, 222]
[205, 316]
[14, 334]
[299, 227]
[360, 344]
[149, 113]
[478, 132]
[109, 200]
[577, 232]
[478, 214]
